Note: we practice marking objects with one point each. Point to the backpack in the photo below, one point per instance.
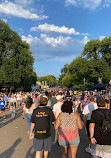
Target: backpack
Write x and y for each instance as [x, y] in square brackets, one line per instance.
[106, 123]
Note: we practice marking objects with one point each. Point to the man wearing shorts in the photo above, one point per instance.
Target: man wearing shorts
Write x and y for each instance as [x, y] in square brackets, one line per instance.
[101, 141]
[87, 117]
[41, 118]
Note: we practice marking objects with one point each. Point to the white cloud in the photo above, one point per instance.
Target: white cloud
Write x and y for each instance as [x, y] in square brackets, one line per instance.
[71, 2]
[28, 39]
[101, 38]
[107, 3]
[85, 34]
[63, 59]
[55, 49]
[52, 28]
[5, 20]
[90, 4]
[85, 40]
[54, 42]
[24, 2]
[10, 8]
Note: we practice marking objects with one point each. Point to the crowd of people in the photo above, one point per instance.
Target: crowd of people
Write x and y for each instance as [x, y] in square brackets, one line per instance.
[68, 112]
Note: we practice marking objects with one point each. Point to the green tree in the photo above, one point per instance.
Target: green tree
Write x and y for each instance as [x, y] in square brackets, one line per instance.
[98, 50]
[98, 68]
[67, 81]
[88, 69]
[91, 49]
[16, 60]
[105, 49]
[63, 73]
[78, 69]
[51, 80]
[64, 69]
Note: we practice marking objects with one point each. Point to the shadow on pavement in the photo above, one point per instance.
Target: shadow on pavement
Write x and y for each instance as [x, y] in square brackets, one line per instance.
[56, 149]
[57, 153]
[8, 153]
[9, 119]
[30, 153]
[81, 153]
[7, 116]
[54, 153]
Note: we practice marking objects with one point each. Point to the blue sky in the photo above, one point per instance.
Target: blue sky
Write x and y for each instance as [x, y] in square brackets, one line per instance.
[57, 30]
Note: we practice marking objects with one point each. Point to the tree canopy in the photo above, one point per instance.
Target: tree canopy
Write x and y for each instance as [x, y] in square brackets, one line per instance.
[51, 80]
[94, 63]
[16, 60]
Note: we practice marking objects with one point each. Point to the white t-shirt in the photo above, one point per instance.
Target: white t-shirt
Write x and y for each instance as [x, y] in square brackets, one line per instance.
[57, 108]
[77, 102]
[88, 110]
[19, 97]
[49, 103]
[30, 110]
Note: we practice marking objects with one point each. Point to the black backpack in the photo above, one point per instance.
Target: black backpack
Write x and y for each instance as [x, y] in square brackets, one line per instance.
[106, 123]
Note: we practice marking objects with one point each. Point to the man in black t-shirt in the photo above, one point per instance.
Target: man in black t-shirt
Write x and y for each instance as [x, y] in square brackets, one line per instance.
[101, 142]
[40, 121]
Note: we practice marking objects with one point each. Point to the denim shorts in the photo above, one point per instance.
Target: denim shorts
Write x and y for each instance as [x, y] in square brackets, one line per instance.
[67, 143]
[42, 144]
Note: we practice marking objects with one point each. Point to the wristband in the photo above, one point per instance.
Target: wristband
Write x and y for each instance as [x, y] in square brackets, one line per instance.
[91, 137]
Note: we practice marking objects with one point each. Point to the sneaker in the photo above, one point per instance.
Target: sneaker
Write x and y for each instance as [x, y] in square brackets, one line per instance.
[88, 150]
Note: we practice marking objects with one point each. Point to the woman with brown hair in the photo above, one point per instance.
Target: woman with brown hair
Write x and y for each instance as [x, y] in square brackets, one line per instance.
[28, 108]
[68, 124]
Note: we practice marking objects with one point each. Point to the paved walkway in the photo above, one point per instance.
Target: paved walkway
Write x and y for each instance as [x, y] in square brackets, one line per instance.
[14, 142]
